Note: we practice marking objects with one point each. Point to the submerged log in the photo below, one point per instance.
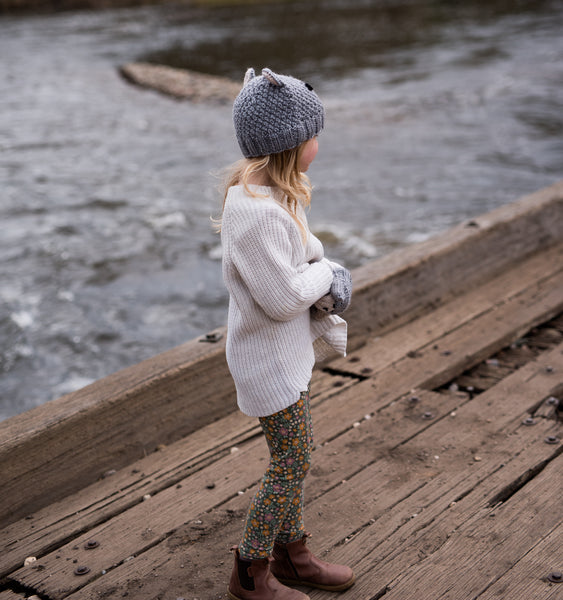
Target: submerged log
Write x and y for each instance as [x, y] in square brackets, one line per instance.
[181, 84]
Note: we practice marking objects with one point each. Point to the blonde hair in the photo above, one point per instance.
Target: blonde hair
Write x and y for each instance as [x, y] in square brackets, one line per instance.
[279, 170]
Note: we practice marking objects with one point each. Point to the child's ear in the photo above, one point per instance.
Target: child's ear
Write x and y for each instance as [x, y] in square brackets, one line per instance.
[250, 74]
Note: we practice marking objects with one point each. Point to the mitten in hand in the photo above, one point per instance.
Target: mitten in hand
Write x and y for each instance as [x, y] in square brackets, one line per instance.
[339, 296]
[341, 289]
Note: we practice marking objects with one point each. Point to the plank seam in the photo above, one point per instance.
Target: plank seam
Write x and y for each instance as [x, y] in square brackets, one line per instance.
[19, 588]
[344, 373]
[515, 486]
[502, 360]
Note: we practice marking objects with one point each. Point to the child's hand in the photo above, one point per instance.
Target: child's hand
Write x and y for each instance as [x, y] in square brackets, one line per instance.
[323, 307]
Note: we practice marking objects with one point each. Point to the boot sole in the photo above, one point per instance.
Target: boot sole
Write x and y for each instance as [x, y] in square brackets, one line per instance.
[319, 586]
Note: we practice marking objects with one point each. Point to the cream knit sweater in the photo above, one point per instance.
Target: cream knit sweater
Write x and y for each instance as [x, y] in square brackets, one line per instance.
[273, 278]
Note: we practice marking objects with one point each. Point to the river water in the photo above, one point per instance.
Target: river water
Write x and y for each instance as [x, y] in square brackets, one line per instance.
[436, 112]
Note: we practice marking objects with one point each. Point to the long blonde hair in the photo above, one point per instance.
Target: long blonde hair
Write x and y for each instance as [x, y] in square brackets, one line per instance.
[280, 171]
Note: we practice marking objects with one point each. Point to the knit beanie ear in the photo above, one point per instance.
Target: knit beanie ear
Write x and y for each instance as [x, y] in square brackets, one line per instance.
[271, 77]
[248, 75]
[273, 113]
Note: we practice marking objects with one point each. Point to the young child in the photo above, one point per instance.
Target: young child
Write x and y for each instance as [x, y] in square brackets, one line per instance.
[284, 300]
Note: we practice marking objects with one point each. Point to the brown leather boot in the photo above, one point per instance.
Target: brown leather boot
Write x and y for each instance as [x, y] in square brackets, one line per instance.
[252, 580]
[295, 564]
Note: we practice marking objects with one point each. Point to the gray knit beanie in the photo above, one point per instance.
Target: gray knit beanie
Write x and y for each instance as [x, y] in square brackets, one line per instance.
[273, 113]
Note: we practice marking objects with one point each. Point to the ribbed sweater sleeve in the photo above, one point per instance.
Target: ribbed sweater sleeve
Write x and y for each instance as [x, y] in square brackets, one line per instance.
[263, 255]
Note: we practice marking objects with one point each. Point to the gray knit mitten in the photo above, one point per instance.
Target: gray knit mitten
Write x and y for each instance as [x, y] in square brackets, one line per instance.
[341, 289]
[340, 294]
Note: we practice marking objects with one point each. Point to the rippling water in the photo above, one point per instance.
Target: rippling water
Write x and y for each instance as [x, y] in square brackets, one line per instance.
[437, 111]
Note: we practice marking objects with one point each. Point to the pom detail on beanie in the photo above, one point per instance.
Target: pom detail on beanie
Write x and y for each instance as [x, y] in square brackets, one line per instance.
[273, 113]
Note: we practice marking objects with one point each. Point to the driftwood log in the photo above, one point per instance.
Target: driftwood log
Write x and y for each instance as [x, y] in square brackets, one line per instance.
[181, 84]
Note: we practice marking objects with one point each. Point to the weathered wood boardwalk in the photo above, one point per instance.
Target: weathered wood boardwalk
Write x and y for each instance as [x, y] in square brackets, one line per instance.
[437, 471]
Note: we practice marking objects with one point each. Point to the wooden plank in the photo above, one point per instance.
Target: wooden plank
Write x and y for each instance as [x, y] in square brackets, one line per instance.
[194, 562]
[467, 346]
[54, 578]
[489, 427]
[125, 488]
[143, 525]
[384, 550]
[140, 495]
[445, 358]
[422, 486]
[112, 495]
[374, 356]
[199, 549]
[528, 578]
[252, 461]
[338, 421]
[408, 533]
[490, 543]
[58, 448]
[530, 374]
[359, 400]
[174, 506]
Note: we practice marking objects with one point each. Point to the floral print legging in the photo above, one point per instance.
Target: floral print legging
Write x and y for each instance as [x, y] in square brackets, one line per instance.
[276, 512]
